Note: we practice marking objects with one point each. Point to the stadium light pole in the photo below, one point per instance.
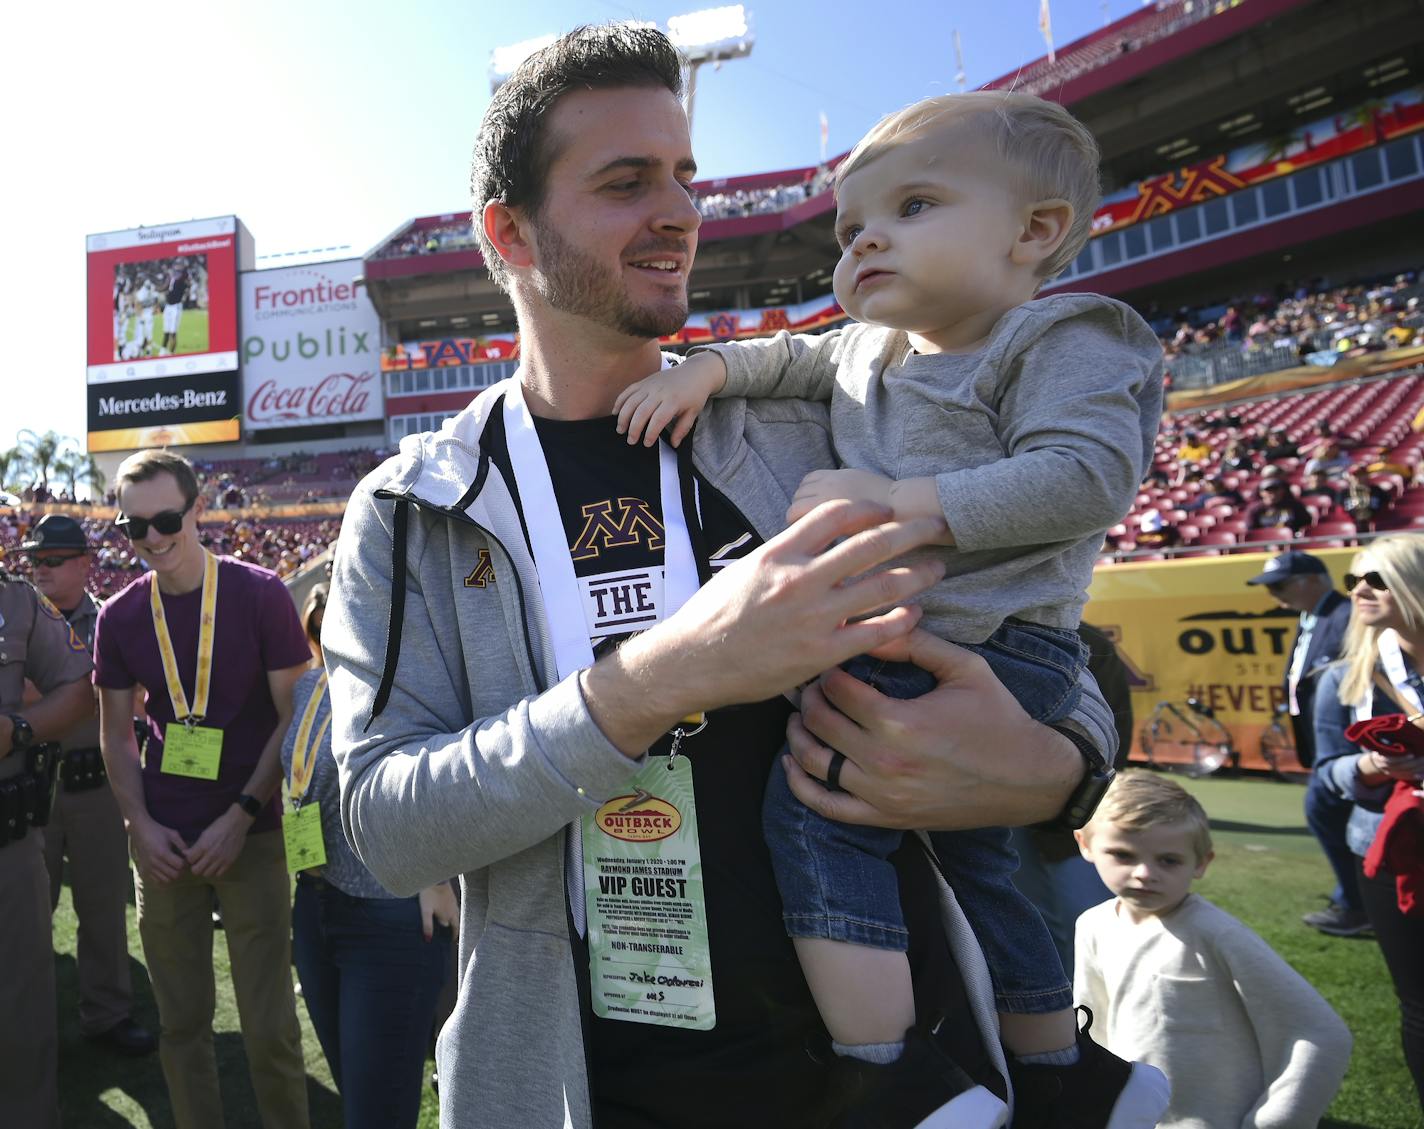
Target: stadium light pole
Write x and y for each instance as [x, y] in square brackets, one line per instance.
[712, 35]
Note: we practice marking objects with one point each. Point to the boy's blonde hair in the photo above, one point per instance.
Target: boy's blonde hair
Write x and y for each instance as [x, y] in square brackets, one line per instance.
[1400, 562]
[1138, 800]
[1052, 152]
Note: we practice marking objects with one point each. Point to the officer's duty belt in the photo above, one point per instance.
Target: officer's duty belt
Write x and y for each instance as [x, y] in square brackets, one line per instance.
[26, 791]
[81, 770]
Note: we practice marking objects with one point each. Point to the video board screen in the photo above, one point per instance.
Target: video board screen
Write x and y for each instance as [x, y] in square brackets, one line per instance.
[162, 357]
[163, 300]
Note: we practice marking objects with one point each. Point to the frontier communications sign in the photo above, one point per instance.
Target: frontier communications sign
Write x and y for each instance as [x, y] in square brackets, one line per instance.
[310, 347]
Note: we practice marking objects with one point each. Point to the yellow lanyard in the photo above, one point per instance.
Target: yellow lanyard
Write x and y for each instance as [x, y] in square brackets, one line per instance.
[203, 678]
[305, 747]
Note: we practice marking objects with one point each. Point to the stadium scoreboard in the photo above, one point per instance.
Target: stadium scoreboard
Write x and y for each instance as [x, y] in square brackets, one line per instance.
[162, 334]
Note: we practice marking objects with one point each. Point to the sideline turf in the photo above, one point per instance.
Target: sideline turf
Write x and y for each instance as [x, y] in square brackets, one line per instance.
[1267, 872]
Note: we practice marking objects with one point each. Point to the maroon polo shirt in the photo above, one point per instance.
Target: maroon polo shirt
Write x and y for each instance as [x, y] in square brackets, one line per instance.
[258, 630]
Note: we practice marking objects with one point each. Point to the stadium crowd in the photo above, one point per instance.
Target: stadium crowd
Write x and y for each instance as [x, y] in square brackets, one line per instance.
[1315, 323]
[760, 201]
[457, 234]
[284, 546]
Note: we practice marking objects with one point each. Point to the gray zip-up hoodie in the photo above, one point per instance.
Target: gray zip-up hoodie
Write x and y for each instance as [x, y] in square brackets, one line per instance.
[459, 755]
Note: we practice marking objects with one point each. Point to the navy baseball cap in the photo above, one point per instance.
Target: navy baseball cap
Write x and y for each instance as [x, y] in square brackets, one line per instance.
[1292, 562]
[56, 531]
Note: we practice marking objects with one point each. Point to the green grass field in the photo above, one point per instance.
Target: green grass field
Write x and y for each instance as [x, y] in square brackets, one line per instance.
[192, 331]
[1267, 872]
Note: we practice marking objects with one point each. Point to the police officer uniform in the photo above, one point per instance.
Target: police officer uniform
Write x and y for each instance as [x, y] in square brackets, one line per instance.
[85, 824]
[35, 643]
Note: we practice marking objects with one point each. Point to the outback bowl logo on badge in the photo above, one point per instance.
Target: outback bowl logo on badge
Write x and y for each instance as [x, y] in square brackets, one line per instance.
[639, 818]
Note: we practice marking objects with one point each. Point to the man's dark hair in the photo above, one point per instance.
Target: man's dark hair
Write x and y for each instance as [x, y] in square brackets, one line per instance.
[142, 466]
[512, 153]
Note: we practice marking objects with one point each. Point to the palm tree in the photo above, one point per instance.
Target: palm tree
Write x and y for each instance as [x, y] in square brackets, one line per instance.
[75, 467]
[12, 464]
[92, 475]
[41, 451]
[66, 468]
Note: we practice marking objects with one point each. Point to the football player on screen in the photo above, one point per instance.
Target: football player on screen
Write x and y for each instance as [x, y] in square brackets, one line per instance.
[175, 293]
[146, 299]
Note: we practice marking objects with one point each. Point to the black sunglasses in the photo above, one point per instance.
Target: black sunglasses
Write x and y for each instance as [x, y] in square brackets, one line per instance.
[167, 523]
[1373, 579]
[55, 562]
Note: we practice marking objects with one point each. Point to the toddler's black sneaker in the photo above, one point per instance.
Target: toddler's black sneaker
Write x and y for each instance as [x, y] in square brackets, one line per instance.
[1099, 1091]
[922, 1089]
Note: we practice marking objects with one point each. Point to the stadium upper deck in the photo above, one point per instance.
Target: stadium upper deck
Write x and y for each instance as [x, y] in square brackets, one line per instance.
[1245, 143]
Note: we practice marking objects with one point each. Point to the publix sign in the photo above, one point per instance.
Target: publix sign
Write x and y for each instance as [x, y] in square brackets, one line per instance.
[310, 347]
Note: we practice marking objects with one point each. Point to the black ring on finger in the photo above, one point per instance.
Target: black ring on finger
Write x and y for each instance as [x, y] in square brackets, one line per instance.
[833, 772]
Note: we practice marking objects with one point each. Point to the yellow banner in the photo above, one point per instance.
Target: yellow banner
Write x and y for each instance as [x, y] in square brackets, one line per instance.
[174, 435]
[1283, 381]
[1195, 629]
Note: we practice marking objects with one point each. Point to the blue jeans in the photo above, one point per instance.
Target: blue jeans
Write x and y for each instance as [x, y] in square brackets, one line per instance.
[836, 880]
[1327, 814]
[370, 980]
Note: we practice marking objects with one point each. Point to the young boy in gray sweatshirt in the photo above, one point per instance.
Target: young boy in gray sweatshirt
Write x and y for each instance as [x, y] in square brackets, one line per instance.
[1027, 424]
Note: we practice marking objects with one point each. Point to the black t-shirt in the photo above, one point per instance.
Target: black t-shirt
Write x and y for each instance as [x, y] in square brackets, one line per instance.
[177, 287]
[752, 1069]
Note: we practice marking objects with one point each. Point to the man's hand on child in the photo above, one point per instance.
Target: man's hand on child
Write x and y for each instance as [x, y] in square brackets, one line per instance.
[674, 396]
[937, 761]
[828, 485]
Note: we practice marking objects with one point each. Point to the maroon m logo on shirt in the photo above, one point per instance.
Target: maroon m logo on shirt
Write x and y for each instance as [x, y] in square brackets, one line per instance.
[612, 524]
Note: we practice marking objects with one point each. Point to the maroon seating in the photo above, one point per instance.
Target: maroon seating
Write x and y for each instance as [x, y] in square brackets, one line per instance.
[1217, 537]
[1280, 533]
[1394, 519]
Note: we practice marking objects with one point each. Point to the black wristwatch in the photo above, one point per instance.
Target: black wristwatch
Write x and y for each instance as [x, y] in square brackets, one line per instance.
[21, 735]
[1090, 790]
[250, 804]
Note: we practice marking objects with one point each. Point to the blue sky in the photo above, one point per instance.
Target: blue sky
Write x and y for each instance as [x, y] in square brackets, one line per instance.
[322, 123]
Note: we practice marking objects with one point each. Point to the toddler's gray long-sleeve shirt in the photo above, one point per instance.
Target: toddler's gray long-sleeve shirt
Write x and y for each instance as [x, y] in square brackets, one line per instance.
[1037, 442]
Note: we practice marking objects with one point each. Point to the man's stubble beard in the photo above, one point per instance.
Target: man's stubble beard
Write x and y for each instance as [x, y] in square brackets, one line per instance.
[573, 282]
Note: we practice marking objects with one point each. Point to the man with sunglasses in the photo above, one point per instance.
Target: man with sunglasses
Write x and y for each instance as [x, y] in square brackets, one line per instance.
[85, 825]
[1301, 582]
[217, 646]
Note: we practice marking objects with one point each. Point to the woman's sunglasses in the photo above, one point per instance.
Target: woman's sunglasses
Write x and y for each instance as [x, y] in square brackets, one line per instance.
[1373, 579]
[167, 523]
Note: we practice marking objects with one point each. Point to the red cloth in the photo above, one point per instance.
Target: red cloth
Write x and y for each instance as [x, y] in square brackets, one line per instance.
[1398, 847]
[1390, 735]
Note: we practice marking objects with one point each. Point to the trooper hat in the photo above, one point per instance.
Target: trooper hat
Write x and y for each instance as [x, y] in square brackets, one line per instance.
[56, 531]
[1292, 562]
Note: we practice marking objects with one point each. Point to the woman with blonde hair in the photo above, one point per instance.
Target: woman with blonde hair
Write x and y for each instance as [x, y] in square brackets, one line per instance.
[371, 964]
[1380, 673]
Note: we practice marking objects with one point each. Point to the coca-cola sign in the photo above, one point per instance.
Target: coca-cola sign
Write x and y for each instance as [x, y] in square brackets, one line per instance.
[310, 347]
[338, 395]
